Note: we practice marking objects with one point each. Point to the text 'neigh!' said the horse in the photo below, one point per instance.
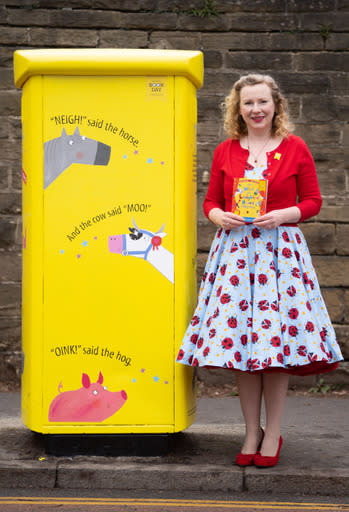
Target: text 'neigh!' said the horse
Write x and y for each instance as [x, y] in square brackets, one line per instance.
[147, 245]
[66, 150]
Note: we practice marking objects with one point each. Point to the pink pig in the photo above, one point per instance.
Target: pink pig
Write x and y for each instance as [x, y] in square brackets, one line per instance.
[93, 402]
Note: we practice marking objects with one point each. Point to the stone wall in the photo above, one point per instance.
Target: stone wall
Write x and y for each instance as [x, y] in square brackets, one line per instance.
[302, 43]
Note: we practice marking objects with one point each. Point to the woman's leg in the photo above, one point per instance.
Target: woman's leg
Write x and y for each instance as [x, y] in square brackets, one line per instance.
[250, 394]
[275, 387]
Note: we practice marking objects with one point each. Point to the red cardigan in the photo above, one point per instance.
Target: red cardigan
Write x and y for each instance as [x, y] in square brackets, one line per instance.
[291, 175]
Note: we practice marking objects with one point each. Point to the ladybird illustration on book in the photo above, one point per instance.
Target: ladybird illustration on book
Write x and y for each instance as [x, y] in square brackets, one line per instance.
[249, 198]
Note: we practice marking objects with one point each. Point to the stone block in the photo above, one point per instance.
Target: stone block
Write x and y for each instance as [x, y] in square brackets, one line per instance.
[332, 271]
[251, 6]
[302, 83]
[209, 107]
[130, 5]
[6, 78]
[9, 234]
[213, 59]
[14, 130]
[337, 42]
[30, 17]
[148, 20]
[4, 177]
[11, 267]
[258, 60]
[6, 53]
[342, 107]
[10, 152]
[342, 333]
[123, 39]
[339, 83]
[335, 302]
[64, 18]
[320, 237]
[16, 179]
[10, 368]
[73, 4]
[10, 203]
[10, 334]
[332, 182]
[263, 22]
[290, 42]
[329, 134]
[206, 233]
[311, 5]
[210, 130]
[346, 306]
[175, 40]
[322, 61]
[319, 108]
[334, 213]
[328, 157]
[220, 83]
[342, 236]
[10, 104]
[10, 299]
[13, 35]
[336, 21]
[69, 38]
[220, 23]
[234, 41]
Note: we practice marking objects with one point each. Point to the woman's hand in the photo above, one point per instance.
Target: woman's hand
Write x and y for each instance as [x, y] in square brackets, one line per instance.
[226, 220]
[275, 218]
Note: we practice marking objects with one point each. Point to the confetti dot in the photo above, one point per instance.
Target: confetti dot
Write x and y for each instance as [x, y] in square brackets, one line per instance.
[78, 256]
[156, 378]
[124, 157]
[84, 243]
[142, 370]
[136, 152]
[162, 163]
[166, 381]
[134, 380]
[149, 161]
[95, 238]
[61, 251]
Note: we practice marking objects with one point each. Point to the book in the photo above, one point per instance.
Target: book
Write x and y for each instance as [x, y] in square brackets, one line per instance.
[249, 198]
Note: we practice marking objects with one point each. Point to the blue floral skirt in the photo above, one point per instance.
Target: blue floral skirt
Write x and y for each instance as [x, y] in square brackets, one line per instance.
[260, 307]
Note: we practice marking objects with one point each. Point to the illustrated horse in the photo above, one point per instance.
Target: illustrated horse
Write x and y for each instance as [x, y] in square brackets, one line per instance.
[66, 150]
[147, 245]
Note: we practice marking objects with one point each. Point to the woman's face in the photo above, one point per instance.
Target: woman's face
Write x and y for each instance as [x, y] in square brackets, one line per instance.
[257, 107]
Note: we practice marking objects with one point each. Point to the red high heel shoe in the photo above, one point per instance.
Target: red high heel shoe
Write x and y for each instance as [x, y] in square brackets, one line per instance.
[247, 459]
[265, 461]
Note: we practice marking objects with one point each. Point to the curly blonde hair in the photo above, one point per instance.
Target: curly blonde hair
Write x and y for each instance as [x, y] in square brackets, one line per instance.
[234, 124]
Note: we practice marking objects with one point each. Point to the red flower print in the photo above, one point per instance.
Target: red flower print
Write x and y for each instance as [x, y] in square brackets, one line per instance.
[293, 313]
[298, 257]
[219, 234]
[276, 252]
[309, 326]
[249, 322]
[190, 360]
[272, 266]
[298, 238]
[234, 247]
[286, 252]
[256, 233]
[209, 321]
[243, 340]
[223, 269]
[194, 338]
[312, 357]
[283, 328]
[200, 342]
[204, 277]
[206, 351]
[230, 364]
[305, 278]
[232, 322]
[323, 334]
[302, 350]
[270, 247]
[292, 330]
[241, 264]
[207, 300]
[308, 305]
[227, 343]
[225, 298]
[180, 355]
[285, 236]
[322, 346]
[195, 320]
[256, 258]
[287, 350]
[262, 279]
[254, 337]
[252, 279]
[237, 356]
[234, 280]
[275, 341]
[212, 333]
[243, 305]
[216, 313]
[263, 305]
[195, 362]
[219, 291]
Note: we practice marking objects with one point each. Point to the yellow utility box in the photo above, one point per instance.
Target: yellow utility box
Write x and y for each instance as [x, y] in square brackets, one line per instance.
[109, 238]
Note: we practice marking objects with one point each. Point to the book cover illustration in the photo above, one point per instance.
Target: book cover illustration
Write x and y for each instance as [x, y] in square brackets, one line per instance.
[249, 198]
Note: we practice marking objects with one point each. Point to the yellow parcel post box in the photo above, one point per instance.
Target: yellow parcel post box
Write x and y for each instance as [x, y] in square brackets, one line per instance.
[109, 238]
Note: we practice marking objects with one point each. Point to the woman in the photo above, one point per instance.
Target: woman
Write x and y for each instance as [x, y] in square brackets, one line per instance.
[260, 311]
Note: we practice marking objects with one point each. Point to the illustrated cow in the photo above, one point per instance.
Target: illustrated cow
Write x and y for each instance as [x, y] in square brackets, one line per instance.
[66, 150]
[92, 402]
[147, 245]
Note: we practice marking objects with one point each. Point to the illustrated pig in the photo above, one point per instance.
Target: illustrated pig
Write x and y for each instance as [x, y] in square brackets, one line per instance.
[92, 402]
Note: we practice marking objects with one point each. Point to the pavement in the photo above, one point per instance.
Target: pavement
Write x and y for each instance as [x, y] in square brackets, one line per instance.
[314, 459]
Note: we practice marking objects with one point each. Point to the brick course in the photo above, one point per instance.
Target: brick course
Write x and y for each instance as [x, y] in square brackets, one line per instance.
[304, 45]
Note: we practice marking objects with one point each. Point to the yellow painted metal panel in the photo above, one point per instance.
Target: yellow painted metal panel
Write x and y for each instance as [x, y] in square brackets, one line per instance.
[109, 61]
